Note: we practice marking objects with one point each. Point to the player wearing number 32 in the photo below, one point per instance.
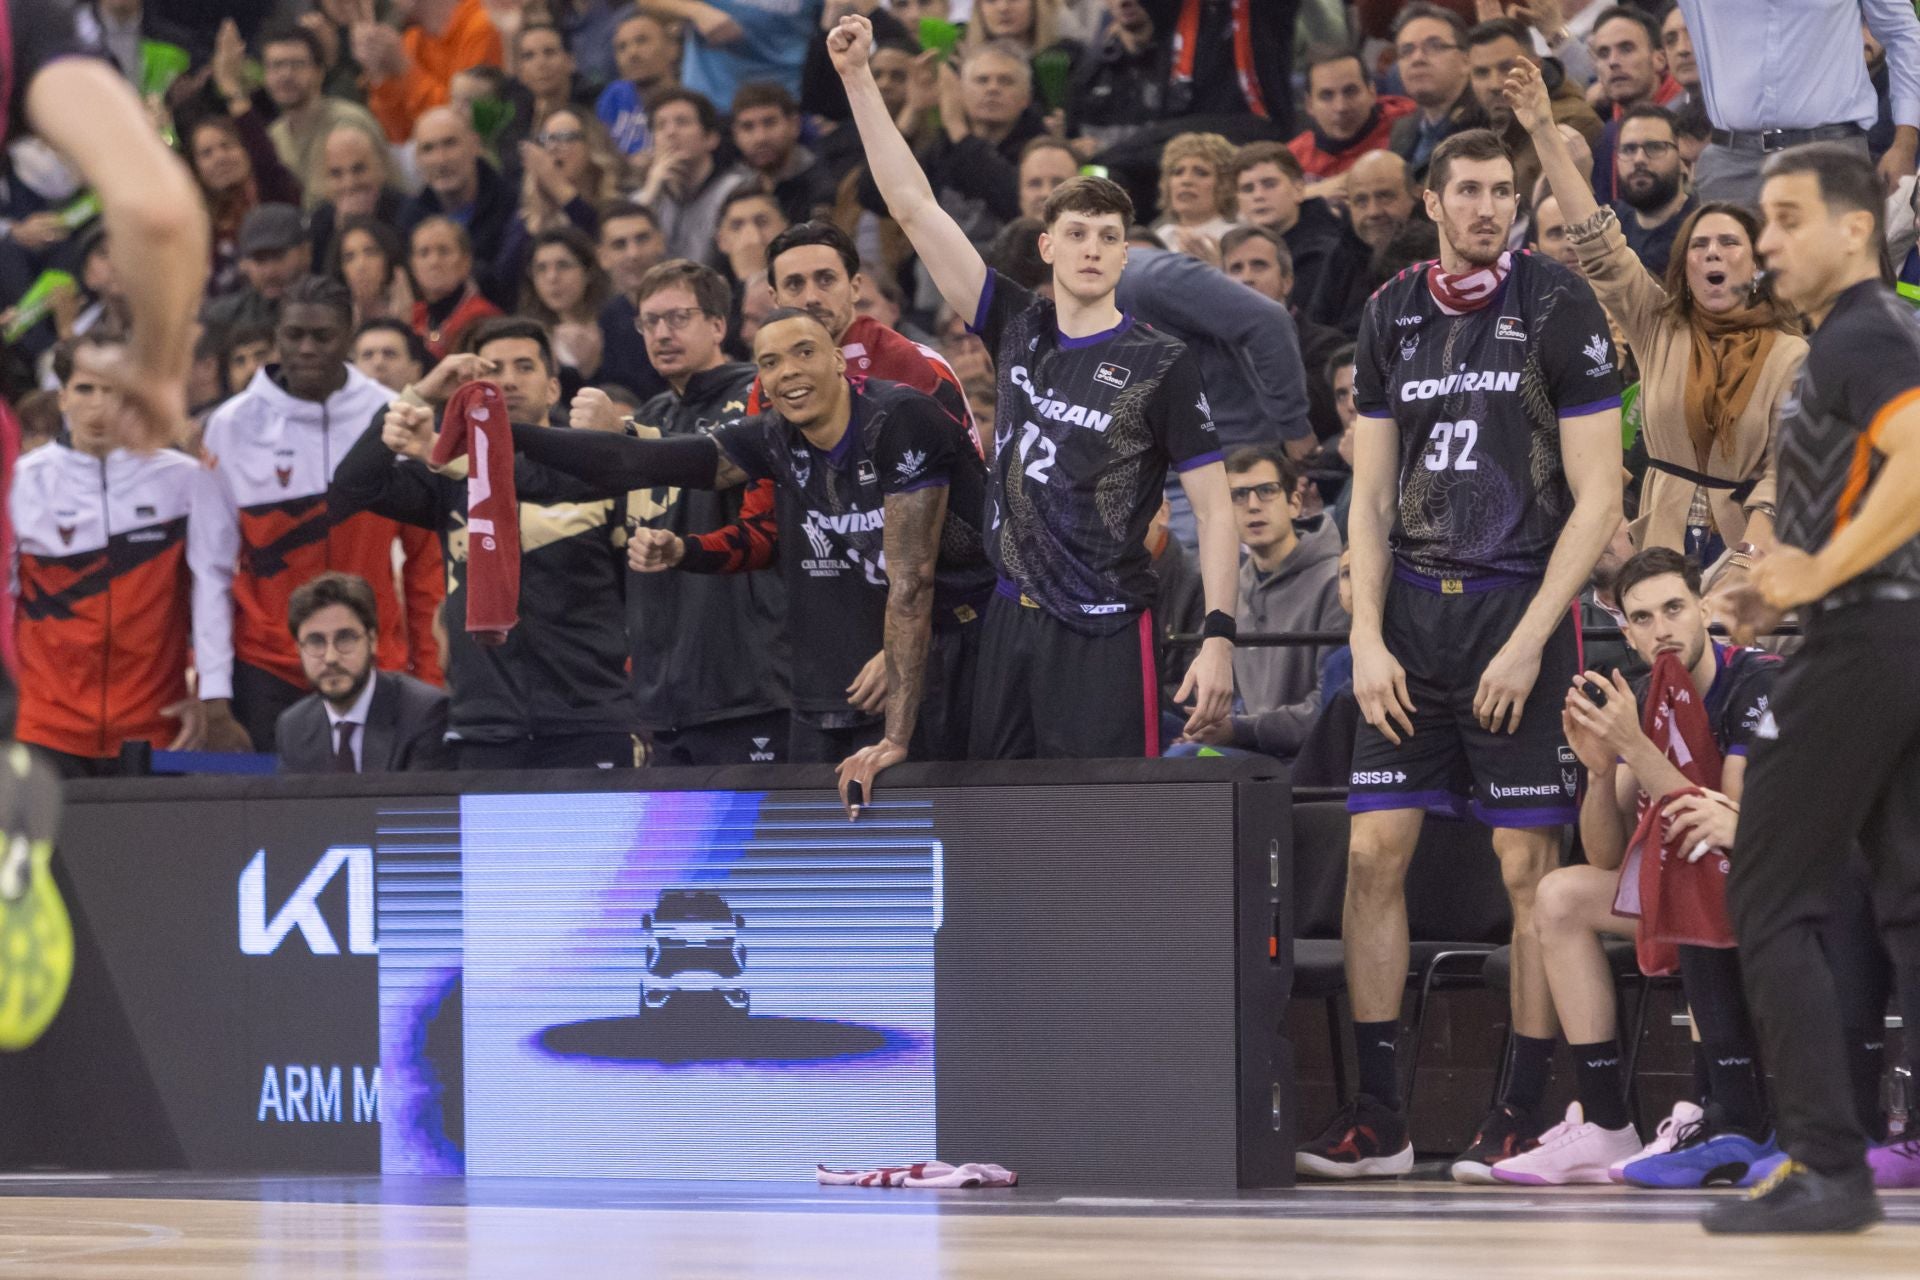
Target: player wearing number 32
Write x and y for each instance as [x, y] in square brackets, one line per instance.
[1093, 409]
[1486, 484]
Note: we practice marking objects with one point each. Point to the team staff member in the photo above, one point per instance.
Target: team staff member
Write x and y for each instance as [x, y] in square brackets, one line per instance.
[105, 598]
[877, 489]
[1486, 483]
[1093, 409]
[1838, 756]
[555, 695]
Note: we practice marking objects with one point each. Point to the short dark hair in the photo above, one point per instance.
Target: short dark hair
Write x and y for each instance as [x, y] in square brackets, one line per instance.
[1690, 119]
[1274, 153]
[1653, 563]
[744, 192]
[1651, 111]
[1090, 197]
[1342, 356]
[1325, 55]
[815, 232]
[416, 345]
[64, 353]
[320, 291]
[1499, 29]
[615, 210]
[244, 330]
[764, 93]
[1047, 142]
[509, 328]
[331, 588]
[701, 104]
[1472, 144]
[779, 314]
[1847, 182]
[294, 33]
[1247, 457]
[1015, 253]
[461, 236]
[1640, 17]
[1240, 235]
[709, 287]
[532, 27]
[1421, 9]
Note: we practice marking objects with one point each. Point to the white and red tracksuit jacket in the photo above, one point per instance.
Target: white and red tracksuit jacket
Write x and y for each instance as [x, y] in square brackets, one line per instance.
[271, 528]
[104, 617]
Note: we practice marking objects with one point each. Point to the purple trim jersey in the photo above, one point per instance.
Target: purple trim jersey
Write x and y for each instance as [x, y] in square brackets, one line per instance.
[1084, 432]
[1478, 400]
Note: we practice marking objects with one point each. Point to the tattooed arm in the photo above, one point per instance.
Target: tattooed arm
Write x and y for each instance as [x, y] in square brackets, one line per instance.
[913, 524]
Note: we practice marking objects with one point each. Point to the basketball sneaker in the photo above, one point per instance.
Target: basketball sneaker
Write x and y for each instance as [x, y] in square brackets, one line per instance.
[1795, 1199]
[1702, 1158]
[1367, 1139]
[1572, 1152]
[1505, 1133]
[1896, 1166]
[1684, 1113]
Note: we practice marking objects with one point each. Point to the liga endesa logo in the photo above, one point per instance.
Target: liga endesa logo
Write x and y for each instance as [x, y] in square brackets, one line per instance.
[261, 936]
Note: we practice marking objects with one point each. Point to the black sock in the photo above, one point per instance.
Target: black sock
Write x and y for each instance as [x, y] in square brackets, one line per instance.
[1603, 1094]
[1378, 1045]
[1738, 1101]
[1866, 1061]
[1528, 1069]
[1702, 1078]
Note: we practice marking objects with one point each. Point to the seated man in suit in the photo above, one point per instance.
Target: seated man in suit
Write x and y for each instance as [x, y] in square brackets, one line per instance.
[357, 720]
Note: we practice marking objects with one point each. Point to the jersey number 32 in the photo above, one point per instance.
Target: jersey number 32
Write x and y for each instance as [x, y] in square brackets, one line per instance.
[1440, 455]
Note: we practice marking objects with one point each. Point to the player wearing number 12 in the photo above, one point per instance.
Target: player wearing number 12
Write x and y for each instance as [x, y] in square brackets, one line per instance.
[1486, 483]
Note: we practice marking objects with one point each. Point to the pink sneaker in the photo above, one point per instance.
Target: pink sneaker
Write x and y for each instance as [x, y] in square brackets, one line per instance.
[1684, 1114]
[1571, 1152]
[1896, 1166]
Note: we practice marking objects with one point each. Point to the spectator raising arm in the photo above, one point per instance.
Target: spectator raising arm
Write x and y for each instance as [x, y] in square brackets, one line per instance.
[957, 269]
[156, 232]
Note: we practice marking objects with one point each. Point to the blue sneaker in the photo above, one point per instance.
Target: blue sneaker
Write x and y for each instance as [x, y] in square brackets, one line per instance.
[1701, 1159]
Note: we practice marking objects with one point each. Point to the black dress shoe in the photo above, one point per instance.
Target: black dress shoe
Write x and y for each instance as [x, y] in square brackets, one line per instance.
[1794, 1199]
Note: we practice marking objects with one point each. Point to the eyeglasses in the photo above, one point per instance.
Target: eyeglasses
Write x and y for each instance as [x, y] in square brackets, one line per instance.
[1242, 494]
[562, 137]
[1432, 47]
[1651, 150]
[314, 644]
[676, 320]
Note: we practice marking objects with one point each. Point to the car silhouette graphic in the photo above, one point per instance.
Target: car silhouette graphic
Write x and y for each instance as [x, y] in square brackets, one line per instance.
[693, 955]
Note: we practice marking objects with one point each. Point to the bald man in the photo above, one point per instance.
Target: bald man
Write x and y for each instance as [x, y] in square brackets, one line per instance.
[356, 179]
[458, 183]
[1379, 197]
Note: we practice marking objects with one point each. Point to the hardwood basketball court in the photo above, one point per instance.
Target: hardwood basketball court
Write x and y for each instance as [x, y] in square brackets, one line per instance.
[105, 1227]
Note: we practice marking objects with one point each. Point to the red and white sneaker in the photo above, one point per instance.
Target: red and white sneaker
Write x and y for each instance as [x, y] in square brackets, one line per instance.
[1572, 1152]
[1685, 1116]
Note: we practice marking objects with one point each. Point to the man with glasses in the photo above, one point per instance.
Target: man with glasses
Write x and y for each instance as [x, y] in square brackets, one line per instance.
[1655, 194]
[357, 719]
[1432, 46]
[294, 65]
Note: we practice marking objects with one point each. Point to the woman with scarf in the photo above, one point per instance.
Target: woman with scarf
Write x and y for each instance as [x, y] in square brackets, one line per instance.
[1714, 361]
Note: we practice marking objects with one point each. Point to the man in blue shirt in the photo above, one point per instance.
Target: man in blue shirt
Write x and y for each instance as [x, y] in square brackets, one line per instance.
[730, 42]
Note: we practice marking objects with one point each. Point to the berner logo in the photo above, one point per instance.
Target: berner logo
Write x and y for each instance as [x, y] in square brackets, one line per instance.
[260, 936]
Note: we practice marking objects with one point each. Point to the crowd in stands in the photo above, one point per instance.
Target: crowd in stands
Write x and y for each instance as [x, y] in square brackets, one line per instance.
[393, 194]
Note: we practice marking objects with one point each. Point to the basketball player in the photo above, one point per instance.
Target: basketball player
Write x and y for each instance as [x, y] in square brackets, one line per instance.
[1486, 484]
[1838, 756]
[1093, 409]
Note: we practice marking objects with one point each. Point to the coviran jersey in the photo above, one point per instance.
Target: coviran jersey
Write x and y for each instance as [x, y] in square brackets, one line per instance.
[1863, 364]
[1084, 434]
[1478, 400]
[832, 512]
[1737, 700]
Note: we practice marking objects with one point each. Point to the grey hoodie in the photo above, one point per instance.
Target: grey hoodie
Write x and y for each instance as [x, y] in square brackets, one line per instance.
[1280, 687]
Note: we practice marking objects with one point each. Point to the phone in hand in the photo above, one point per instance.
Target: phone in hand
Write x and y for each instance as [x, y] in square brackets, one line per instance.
[1595, 691]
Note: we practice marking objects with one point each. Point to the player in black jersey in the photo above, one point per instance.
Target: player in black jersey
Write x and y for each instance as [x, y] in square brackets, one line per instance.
[877, 494]
[1838, 757]
[1093, 410]
[1486, 484]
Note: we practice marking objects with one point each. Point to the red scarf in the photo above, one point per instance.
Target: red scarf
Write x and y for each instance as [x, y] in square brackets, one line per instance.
[1470, 290]
[1186, 38]
[1679, 903]
[475, 423]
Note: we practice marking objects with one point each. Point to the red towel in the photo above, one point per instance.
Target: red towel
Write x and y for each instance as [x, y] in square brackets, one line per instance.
[1679, 903]
[476, 422]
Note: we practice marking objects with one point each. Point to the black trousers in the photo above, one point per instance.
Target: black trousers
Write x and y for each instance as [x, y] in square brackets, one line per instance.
[72, 767]
[946, 708]
[760, 739]
[259, 697]
[552, 751]
[1840, 761]
[1050, 692]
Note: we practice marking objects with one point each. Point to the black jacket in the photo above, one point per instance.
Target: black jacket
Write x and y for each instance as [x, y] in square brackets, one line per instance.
[706, 647]
[1330, 280]
[494, 206]
[406, 730]
[563, 669]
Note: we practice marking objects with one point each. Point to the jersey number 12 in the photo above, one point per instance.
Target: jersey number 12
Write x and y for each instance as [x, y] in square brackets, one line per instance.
[1440, 455]
[1037, 467]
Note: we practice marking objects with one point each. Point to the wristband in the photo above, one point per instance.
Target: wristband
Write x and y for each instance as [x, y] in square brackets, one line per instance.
[1219, 625]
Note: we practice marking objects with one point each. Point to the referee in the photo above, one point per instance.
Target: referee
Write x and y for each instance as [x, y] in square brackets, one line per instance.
[1838, 757]
[1093, 410]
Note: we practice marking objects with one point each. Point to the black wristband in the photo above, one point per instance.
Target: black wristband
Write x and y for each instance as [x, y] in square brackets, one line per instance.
[1220, 625]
